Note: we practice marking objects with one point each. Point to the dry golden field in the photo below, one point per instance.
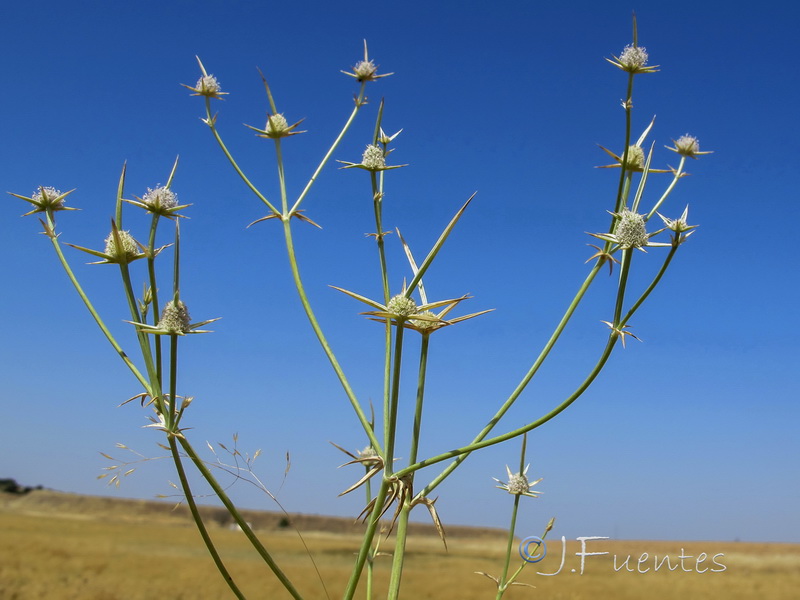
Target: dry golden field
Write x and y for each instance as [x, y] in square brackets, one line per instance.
[60, 546]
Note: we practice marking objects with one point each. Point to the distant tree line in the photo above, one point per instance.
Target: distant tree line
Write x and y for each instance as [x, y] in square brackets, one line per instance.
[10, 486]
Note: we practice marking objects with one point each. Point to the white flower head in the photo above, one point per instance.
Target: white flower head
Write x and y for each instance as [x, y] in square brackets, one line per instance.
[208, 85]
[631, 231]
[401, 307]
[48, 196]
[518, 484]
[129, 251]
[633, 58]
[277, 125]
[160, 198]
[688, 145]
[365, 70]
[373, 158]
[45, 199]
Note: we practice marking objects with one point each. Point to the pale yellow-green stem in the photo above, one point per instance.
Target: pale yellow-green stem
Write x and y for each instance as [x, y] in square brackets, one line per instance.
[613, 337]
[287, 229]
[398, 556]
[90, 307]
[359, 102]
[522, 384]
[366, 542]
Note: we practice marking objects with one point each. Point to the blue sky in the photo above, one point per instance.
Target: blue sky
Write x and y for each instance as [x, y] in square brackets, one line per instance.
[691, 434]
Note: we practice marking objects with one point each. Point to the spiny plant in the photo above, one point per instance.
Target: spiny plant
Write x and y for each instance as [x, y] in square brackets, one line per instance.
[160, 322]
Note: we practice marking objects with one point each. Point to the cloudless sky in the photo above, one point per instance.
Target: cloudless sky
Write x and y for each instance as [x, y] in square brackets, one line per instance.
[691, 434]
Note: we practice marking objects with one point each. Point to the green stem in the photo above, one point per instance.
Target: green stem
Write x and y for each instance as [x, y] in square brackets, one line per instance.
[151, 271]
[652, 285]
[502, 586]
[516, 432]
[358, 104]
[377, 203]
[423, 367]
[281, 177]
[117, 348]
[623, 167]
[366, 542]
[287, 229]
[210, 121]
[677, 175]
[627, 256]
[613, 337]
[399, 554]
[405, 510]
[521, 386]
[390, 417]
[144, 344]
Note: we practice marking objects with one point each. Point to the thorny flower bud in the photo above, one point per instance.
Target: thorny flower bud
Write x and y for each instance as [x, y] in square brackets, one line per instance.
[679, 226]
[48, 197]
[159, 199]
[633, 58]
[635, 160]
[129, 251]
[174, 318]
[208, 85]
[365, 70]
[373, 158]
[631, 231]
[401, 306]
[424, 324]
[518, 484]
[368, 456]
[277, 125]
[687, 145]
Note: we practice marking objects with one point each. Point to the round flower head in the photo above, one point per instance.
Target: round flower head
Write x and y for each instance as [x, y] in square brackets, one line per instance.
[45, 199]
[48, 196]
[402, 307]
[630, 231]
[424, 324]
[130, 249]
[518, 484]
[633, 58]
[208, 85]
[174, 318]
[373, 158]
[159, 199]
[687, 145]
[277, 125]
[365, 70]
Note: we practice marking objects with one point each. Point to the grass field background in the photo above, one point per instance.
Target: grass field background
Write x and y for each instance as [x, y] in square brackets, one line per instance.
[76, 547]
